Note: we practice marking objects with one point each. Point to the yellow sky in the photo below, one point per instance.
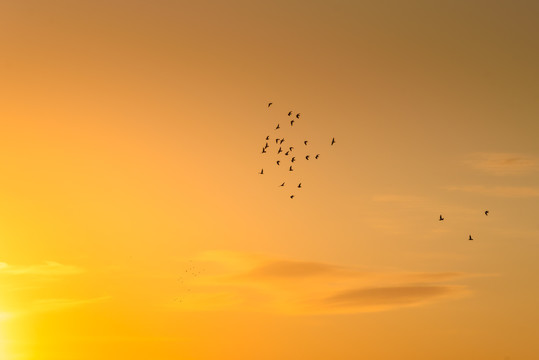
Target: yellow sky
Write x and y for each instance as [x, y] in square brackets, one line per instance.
[134, 223]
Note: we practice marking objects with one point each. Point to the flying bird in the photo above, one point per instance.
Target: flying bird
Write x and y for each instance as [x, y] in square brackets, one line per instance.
[291, 196]
[280, 150]
[317, 155]
[261, 172]
[263, 150]
[278, 162]
[332, 141]
[278, 127]
[267, 137]
[289, 113]
[293, 158]
[291, 148]
[277, 140]
[441, 218]
[297, 116]
[307, 157]
[267, 145]
[305, 142]
[282, 184]
[470, 238]
[280, 142]
[486, 212]
[291, 122]
[269, 104]
[290, 169]
[299, 185]
[286, 153]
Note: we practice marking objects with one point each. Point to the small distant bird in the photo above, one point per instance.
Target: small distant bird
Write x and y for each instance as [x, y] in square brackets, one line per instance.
[317, 155]
[263, 150]
[269, 104]
[305, 142]
[278, 127]
[297, 116]
[261, 172]
[291, 196]
[289, 113]
[291, 122]
[267, 138]
[486, 212]
[280, 150]
[290, 169]
[293, 158]
[299, 185]
[307, 157]
[282, 184]
[291, 148]
[441, 218]
[470, 238]
[286, 153]
[277, 140]
[332, 141]
[278, 162]
[280, 142]
[267, 145]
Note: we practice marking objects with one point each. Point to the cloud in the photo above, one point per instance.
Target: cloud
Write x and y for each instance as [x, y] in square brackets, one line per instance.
[308, 287]
[49, 268]
[499, 191]
[502, 163]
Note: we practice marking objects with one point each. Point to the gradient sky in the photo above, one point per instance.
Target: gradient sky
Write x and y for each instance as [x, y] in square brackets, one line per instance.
[134, 224]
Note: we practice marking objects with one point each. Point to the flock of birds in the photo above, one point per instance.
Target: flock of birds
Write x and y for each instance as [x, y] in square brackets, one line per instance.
[184, 281]
[286, 149]
[470, 237]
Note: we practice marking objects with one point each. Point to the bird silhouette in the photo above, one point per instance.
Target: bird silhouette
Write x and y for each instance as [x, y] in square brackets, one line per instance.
[263, 150]
[280, 142]
[286, 153]
[261, 172]
[278, 162]
[470, 238]
[486, 212]
[269, 104]
[305, 142]
[267, 137]
[332, 141]
[267, 145]
[291, 122]
[289, 113]
[282, 184]
[277, 127]
[299, 185]
[291, 148]
[280, 150]
[297, 116]
[317, 155]
[277, 140]
[441, 218]
[291, 196]
[293, 158]
[290, 169]
[307, 157]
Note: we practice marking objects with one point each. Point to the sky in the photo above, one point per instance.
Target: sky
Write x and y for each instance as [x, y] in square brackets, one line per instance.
[134, 223]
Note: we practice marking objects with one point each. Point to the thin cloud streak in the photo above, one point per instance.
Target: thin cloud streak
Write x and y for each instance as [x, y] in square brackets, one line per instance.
[502, 163]
[499, 191]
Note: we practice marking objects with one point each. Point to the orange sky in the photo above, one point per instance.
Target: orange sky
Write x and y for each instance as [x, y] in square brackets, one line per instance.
[134, 223]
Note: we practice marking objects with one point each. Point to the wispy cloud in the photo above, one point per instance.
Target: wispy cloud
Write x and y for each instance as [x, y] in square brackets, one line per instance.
[310, 287]
[48, 268]
[499, 191]
[503, 163]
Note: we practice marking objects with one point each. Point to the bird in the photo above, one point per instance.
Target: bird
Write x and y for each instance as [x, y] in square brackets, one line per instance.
[307, 157]
[317, 155]
[261, 172]
[278, 162]
[441, 218]
[470, 238]
[305, 142]
[297, 116]
[267, 137]
[332, 141]
[291, 196]
[280, 150]
[299, 185]
[280, 142]
[267, 145]
[486, 212]
[277, 127]
[293, 158]
[282, 184]
[263, 150]
[286, 153]
[269, 104]
[289, 113]
[291, 148]
[277, 140]
[291, 122]
[290, 169]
